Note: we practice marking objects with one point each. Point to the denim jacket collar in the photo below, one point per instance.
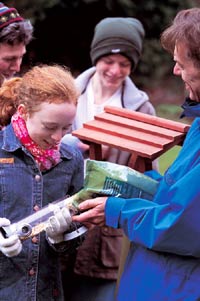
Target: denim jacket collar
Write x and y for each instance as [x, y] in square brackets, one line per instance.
[11, 143]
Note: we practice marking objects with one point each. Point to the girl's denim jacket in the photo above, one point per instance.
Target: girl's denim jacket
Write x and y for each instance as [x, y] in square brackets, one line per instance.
[34, 274]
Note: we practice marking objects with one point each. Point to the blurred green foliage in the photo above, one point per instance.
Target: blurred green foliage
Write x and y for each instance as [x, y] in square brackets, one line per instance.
[168, 158]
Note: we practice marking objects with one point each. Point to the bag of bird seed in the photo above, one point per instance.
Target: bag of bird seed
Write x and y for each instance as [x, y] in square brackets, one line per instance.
[110, 179]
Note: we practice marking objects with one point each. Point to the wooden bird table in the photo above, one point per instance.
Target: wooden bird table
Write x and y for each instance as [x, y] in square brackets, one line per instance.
[146, 137]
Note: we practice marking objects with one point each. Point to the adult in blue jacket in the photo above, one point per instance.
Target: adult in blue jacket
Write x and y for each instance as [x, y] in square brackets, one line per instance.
[164, 258]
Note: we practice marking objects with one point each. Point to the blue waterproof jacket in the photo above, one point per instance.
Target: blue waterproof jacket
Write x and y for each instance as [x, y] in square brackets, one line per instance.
[163, 263]
[34, 274]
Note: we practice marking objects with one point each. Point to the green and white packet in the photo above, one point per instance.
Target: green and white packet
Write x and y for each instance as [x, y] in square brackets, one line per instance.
[110, 179]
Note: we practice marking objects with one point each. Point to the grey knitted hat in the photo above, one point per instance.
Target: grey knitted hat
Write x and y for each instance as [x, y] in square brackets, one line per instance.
[118, 35]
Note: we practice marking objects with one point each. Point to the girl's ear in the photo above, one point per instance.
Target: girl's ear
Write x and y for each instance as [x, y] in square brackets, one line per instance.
[22, 111]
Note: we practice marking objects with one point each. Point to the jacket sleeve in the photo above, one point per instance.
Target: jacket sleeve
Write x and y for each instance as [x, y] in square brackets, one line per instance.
[147, 108]
[170, 223]
[77, 179]
[154, 174]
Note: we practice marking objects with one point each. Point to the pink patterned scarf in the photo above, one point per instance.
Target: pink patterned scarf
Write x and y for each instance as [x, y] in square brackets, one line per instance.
[46, 158]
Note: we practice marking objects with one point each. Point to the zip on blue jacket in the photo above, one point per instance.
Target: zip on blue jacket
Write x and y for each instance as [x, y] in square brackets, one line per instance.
[163, 263]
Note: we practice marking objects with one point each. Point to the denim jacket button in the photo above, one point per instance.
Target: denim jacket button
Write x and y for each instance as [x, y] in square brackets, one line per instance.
[31, 272]
[37, 178]
[36, 208]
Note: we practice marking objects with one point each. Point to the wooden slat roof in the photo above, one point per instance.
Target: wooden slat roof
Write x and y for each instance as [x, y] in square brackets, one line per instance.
[147, 136]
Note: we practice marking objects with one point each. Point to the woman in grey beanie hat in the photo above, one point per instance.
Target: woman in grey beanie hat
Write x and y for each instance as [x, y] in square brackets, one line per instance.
[118, 35]
[115, 51]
